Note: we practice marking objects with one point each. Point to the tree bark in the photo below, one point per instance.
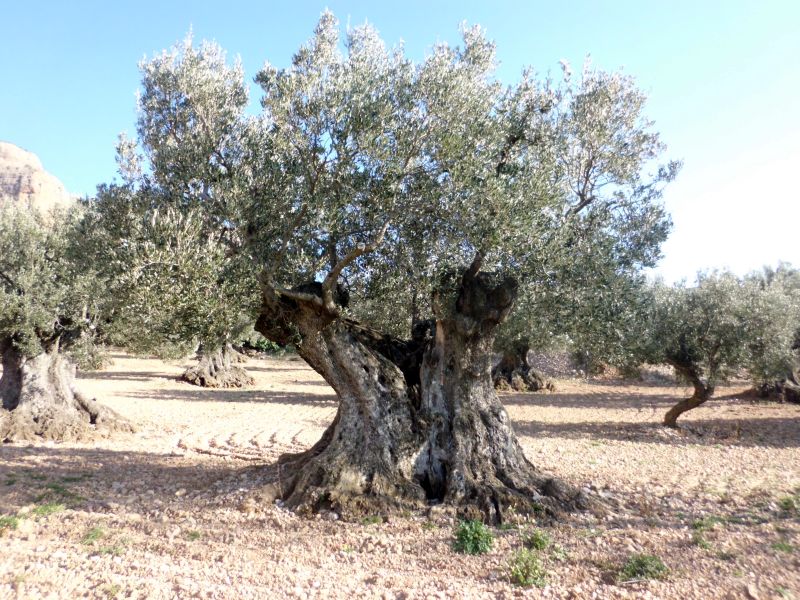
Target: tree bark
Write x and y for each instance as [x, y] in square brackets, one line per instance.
[516, 373]
[40, 400]
[418, 421]
[218, 369]
[702, 392]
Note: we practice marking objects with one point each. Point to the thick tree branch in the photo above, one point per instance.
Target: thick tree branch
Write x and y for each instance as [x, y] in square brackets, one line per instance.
[333, 277]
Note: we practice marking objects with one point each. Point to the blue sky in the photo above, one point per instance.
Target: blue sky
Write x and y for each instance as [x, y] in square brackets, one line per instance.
[723, 80]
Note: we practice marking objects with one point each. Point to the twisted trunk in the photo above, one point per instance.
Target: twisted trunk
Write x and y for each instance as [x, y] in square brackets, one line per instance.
[40, 400]
[702, 392]
[218, 369]
[418, 421]
[516, 373]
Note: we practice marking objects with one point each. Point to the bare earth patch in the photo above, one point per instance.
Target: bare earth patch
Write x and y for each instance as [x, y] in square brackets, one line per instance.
[181, 510]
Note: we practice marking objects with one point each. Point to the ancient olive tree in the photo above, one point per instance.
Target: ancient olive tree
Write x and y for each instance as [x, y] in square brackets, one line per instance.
[164, 234]
[370, 179]
[48, 304]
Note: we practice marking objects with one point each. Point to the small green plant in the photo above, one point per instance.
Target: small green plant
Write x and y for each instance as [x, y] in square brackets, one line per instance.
[11, 479]
[372, 520]
[558, 553]
[91, 536]
[642, 566]
[9, 522]
[507, 526]
[193, 535]
[726, 555]
[707, 523]
[783, 546]
[111, 590]
[114, 550]
[428, 525]
[472, 537]
[47, 509]
[536, 540]
[788, 504]
[525, 569]
[347, 549]
[700, 541]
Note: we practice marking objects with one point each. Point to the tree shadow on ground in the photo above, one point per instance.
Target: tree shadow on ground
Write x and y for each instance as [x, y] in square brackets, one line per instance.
[236, 395]
[104, 480]
[127, 375]
[781, 432]
[637, 397]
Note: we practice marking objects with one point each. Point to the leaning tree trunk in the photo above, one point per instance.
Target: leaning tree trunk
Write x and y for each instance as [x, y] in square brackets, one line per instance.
[702, 392]
[218, 369]
[515, 372]
[40, 400]
[418, 421]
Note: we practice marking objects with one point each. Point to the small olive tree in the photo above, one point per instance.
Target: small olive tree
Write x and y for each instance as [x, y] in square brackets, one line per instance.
[772, 305]
[165, 235]
[711, 330]
[49, 302]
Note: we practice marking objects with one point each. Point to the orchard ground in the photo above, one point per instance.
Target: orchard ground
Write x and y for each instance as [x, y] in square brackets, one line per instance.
[181, 510]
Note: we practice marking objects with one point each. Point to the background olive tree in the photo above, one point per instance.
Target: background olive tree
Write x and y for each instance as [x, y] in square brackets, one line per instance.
[163, 235]
[50, 302]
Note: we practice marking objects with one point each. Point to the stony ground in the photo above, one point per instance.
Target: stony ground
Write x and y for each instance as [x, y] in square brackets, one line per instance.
[177, 511]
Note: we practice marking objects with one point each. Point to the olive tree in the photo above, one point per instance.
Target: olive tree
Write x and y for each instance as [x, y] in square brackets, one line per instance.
[49, 302]
[698, 330]
[163, 235]
[772, 305]
[426, 187]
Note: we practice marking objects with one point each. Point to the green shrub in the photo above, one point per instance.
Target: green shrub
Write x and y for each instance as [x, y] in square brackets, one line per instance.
[472, 537]
[643, 566]
[525, 569]
[536, 540]
[8, 522]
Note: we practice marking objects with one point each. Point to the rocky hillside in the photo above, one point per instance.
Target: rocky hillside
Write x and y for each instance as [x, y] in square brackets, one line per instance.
[23, 179]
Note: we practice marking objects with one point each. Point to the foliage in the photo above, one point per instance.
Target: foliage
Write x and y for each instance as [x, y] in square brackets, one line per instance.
[92, 535]
[719, 325]
[8, 522]
[536, 540]
[356, 143]
[49, 299]
[772, 308]
[472, 537]
[525, 569]
[643, 566]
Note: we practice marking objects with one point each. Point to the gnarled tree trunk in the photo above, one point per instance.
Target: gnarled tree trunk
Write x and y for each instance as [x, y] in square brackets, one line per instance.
[40, 400]
[418, 421]
[702, 392]
[218, 369]
[516, 373]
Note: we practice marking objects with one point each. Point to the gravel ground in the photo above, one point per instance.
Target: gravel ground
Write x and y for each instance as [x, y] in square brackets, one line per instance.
[179, 509]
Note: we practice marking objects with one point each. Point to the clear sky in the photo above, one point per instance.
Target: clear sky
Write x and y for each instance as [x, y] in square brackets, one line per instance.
[723, 79]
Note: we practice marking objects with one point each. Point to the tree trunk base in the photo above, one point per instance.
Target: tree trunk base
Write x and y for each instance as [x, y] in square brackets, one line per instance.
[218, 370]
[418, 422]
[514, 372]
[40, 402]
